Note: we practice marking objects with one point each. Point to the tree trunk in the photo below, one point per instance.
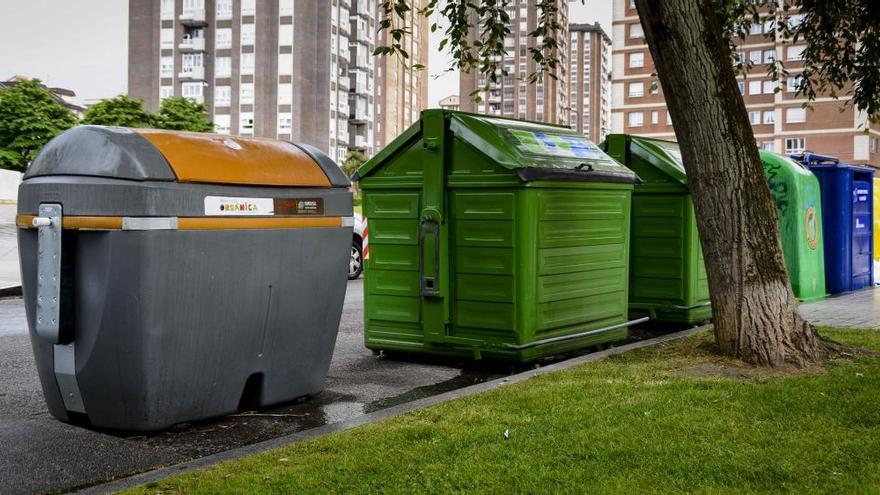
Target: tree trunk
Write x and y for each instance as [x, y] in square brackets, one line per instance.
[755, 312]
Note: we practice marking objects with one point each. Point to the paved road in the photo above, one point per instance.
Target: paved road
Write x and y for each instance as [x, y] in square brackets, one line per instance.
[8, 248]
[38, 453]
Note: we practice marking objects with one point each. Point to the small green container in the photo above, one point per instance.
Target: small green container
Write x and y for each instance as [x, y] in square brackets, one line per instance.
[799, 204]
[492, 237]
[667, 274]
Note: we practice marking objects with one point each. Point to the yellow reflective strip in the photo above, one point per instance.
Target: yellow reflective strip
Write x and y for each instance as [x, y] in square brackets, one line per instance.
[76, 222]
[233, 223]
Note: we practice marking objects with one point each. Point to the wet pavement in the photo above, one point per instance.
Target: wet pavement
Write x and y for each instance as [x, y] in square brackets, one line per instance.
[9, 275]
[39, 453]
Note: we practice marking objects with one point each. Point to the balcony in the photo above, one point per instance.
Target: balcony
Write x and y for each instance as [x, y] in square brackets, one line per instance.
[195, 17]
[193, 73]
[344, 83]
[360, 143]
[192, 45]
[364, 9]
[360, 116]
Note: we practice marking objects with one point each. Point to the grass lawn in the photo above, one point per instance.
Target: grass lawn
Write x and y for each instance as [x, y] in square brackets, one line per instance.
[673, 418]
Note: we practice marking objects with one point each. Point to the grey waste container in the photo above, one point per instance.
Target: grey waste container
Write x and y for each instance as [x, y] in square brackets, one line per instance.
[171, 277]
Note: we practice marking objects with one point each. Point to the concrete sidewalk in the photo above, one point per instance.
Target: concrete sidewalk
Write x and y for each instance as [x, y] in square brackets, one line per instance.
[853, 310]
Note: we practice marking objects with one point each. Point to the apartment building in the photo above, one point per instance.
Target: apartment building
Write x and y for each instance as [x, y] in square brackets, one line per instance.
[401, 85]
[779, 121]
[286, 69]
[513, 96]
[590, 81]
[451, 102]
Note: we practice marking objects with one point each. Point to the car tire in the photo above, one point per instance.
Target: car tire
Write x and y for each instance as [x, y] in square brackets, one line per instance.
[355, 261]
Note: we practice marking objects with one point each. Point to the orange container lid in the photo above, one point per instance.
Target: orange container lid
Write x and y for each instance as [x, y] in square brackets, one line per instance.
[218, 159]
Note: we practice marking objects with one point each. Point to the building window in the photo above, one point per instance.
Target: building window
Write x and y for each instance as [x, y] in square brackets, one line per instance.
[166, 37]
[636, 90]
[285, 64]
[284, 123]
[795, 115]
[222, 96]
[668, 118]
[792, 84]
[636, 60]
[248, 34]
[636, 119]
[769, 87]
[247, 94]
[742, 87]
[755, 57]
[191, 61]
[285, 35]
[224, 38]
[285, 7]
[247, 63]
[796, 52]
[636, 31]
[754, 87]
[768, 146]
[222, 123]
[192, 91]
[223, 67]
[285, 94]
[167, 9]
[755, 28]
[655, 117]
[794, 146]
[223, 9]
[166, 67]
[769, 117]
[248, 7]
[166, 92]
[246, 123]
[754, 118]
[769, 56]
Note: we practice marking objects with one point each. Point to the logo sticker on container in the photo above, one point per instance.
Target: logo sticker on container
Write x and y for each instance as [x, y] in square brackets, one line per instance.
[228, 206]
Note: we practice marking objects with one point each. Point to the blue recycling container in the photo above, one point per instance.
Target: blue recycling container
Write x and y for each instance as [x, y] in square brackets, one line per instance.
[847, 210]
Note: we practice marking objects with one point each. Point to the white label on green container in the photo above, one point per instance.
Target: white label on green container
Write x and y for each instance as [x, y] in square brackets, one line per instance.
[565, 145]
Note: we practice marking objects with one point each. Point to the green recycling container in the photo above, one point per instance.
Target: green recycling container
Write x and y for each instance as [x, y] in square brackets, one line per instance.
[798, 202]
[492, 237]
[667, 274]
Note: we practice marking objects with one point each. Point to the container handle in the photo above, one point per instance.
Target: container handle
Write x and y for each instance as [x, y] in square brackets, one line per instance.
[429, 258]
[47, 322]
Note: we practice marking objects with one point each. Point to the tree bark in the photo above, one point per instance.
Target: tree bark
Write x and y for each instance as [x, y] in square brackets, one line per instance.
[755, 312]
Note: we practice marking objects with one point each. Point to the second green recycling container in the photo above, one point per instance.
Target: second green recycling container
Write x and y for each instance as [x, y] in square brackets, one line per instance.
[492, 237]
[667, 273]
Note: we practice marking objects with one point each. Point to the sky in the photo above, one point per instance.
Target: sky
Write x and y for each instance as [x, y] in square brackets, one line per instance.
[82, 45]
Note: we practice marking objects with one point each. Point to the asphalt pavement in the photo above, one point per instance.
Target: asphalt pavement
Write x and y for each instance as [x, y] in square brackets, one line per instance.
[40, 454]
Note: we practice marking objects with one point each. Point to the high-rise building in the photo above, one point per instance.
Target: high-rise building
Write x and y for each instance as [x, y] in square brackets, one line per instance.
[779, 120]
[513, 96]
[267, 68]
[590, 81]
[401, 85]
